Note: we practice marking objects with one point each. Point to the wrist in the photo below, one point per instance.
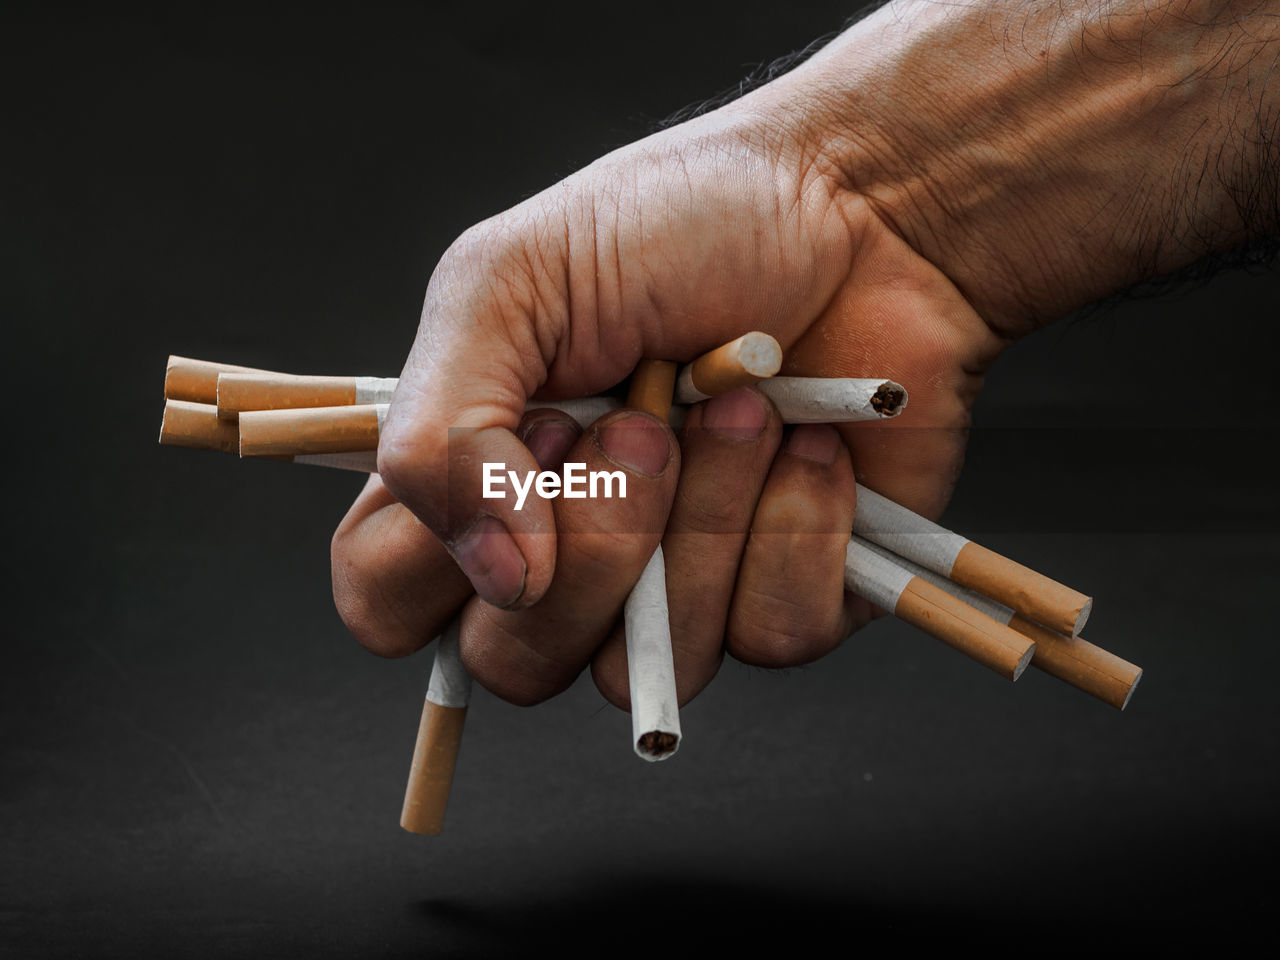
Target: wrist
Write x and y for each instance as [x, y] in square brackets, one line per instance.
[1043, 159]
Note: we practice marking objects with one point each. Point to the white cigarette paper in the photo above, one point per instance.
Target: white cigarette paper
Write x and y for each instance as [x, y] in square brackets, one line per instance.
[375, 389]
[655, 715]
[823, 400]
[450, 684]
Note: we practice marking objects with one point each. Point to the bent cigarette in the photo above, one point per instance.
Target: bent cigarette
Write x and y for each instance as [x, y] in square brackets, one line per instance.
[752, 357]
[1073, 660]
[239, 392]
[950, 555]
[435, 754]
[908, 597]
[834, 400]
[197, 380]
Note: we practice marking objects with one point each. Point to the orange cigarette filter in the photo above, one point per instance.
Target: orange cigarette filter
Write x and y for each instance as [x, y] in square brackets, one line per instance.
[196, 425]
[749, 359]
[435, 755]
[1054, 604]
[240, 392]
[651, 387]
[1076, 661]
[959, 625]
[310, 431]
[197, 380]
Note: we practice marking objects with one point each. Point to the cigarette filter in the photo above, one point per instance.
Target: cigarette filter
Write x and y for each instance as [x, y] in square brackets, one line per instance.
[938, 613]
[950, 555]
[651, 672]
[834, 400]
[197, 380]
[196, 425]
[312, 430]
[652, 383]
[435, 755]
[752, 357]
[238, 392]
[1071, 659]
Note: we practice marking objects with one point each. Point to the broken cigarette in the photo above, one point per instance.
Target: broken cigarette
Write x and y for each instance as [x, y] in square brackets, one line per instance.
[435, 754]
[950, 555]
[894, 588]
[1073, 660]
[238, 392]
[751, 358]
[834, 400]
[651, 672]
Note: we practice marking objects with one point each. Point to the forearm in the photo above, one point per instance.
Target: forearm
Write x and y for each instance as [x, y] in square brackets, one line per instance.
[1044, 155]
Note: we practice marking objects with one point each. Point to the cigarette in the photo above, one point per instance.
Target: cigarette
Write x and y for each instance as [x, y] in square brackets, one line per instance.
[197, 380]
[908, 597]
[238, 392]
[435, 755]
[752, 357]
[826, 400]
[1073, 660]
[651, 672]
[950, 555]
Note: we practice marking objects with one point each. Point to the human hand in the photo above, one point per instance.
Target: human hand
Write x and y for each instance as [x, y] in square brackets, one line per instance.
[843, 209]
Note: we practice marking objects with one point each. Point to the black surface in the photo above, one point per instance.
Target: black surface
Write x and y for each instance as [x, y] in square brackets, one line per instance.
[198, 761]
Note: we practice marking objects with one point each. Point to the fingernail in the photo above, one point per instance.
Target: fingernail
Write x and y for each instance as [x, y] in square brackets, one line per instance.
[492, 562]
[817, 442]
[738, 415]
[636, 442]
[549, 440]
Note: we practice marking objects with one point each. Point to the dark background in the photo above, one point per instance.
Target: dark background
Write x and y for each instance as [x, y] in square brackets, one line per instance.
[197, 759]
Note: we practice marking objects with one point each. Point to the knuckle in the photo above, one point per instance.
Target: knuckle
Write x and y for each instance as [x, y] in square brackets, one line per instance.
[362, 607]
[776, 631]
[508, 666]
[712, 508]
